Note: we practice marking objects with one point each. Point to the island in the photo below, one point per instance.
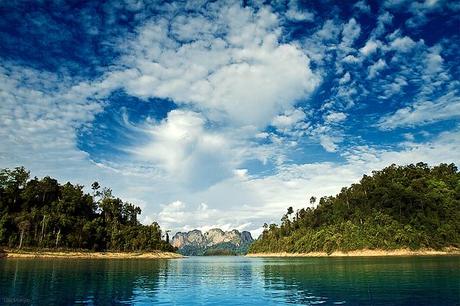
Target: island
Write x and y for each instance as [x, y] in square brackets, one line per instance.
[399, 210]
[43, 218]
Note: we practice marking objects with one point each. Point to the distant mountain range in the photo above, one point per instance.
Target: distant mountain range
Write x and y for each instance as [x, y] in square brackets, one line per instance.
[212, 242]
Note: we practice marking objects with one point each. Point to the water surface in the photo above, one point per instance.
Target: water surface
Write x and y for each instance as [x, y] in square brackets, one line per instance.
[232, 281]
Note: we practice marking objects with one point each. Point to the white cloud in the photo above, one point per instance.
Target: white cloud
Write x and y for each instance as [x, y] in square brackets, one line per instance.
[375, 68]
[434, 61]
[402, 44]
[362, 6]
[328, 142]
[173, 212]
[288, 119]
[345, 78]
[409, 136]
[234, 65]
[232, 71]
[443, 108]
[328, 32]
[395, 87]
[299, 16]
[188, 29]
[294, 13]
[319, 47]
[187, 152]
[335, 117]
[394, 3]
[370, 47]
[351, 59]
[36, 125]
[351, 31]
[180, 216]
[383, 20]
[442, 149]
[420, 11]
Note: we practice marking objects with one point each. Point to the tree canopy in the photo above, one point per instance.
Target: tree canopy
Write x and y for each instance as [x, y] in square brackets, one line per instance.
[413, 206]
[42, 213]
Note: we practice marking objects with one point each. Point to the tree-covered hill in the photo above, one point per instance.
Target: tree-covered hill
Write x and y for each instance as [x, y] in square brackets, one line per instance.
[414, 206]
[41, 213]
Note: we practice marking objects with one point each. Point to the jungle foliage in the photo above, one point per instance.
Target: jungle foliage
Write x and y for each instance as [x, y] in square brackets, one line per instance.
[413, 206]
[41, 213]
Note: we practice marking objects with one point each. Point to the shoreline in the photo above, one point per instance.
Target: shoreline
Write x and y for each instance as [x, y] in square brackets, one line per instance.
[7, 253]
[364, 253]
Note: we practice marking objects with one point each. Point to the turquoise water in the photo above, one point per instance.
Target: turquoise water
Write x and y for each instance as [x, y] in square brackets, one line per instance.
[232, 281]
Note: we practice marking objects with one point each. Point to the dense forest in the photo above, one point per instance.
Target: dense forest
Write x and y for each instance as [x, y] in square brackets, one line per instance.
[414, 206]
[41, 213]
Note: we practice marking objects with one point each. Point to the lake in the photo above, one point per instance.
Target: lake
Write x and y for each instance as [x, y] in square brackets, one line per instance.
[233, 281]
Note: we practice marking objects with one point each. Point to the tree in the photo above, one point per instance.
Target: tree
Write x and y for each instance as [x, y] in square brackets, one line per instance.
[23, 225]
[43, 213]
[411, 206]
[95, 187]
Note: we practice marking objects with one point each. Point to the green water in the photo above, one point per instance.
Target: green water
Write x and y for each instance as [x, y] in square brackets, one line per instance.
[232, 281]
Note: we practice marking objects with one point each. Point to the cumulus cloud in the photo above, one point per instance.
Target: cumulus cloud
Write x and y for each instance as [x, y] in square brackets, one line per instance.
[350, 32]
[351, 59]
[335, 117]
[296, 14]
[225, 65]
[235, 63]
[434, 61]
[288, 119]
[362, 6]
[402, 44]
[328, 142]
[375, 68]
[384, 20]
[181, 146]
[345, 78]
[33, 121]
[181, 216]
[369, 48]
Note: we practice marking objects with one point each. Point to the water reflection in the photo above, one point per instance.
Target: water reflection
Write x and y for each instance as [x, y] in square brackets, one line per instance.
[366, 281]
[232, 281]
[93, 282]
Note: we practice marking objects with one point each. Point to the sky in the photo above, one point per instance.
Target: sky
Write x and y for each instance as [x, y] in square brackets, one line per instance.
[223, 114]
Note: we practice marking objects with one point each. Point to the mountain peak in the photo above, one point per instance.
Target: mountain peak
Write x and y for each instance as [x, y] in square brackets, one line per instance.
[197, 243]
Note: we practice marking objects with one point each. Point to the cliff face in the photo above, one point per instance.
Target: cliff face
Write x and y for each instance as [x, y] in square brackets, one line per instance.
[214, 241]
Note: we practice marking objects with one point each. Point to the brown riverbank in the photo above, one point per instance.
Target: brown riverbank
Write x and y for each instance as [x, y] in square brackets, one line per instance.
[7, 253]
[364, 253]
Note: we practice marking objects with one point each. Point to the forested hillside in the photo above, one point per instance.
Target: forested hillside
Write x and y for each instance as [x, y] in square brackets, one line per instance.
[414, 206]
[42, 213]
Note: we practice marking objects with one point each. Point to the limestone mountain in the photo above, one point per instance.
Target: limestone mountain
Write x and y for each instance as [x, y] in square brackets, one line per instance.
[212, 242]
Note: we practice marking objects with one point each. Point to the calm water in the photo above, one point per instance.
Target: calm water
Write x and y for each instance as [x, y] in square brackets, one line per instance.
[232, 281]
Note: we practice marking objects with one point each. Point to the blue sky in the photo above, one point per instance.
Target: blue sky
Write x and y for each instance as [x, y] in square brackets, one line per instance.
[222, 114]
